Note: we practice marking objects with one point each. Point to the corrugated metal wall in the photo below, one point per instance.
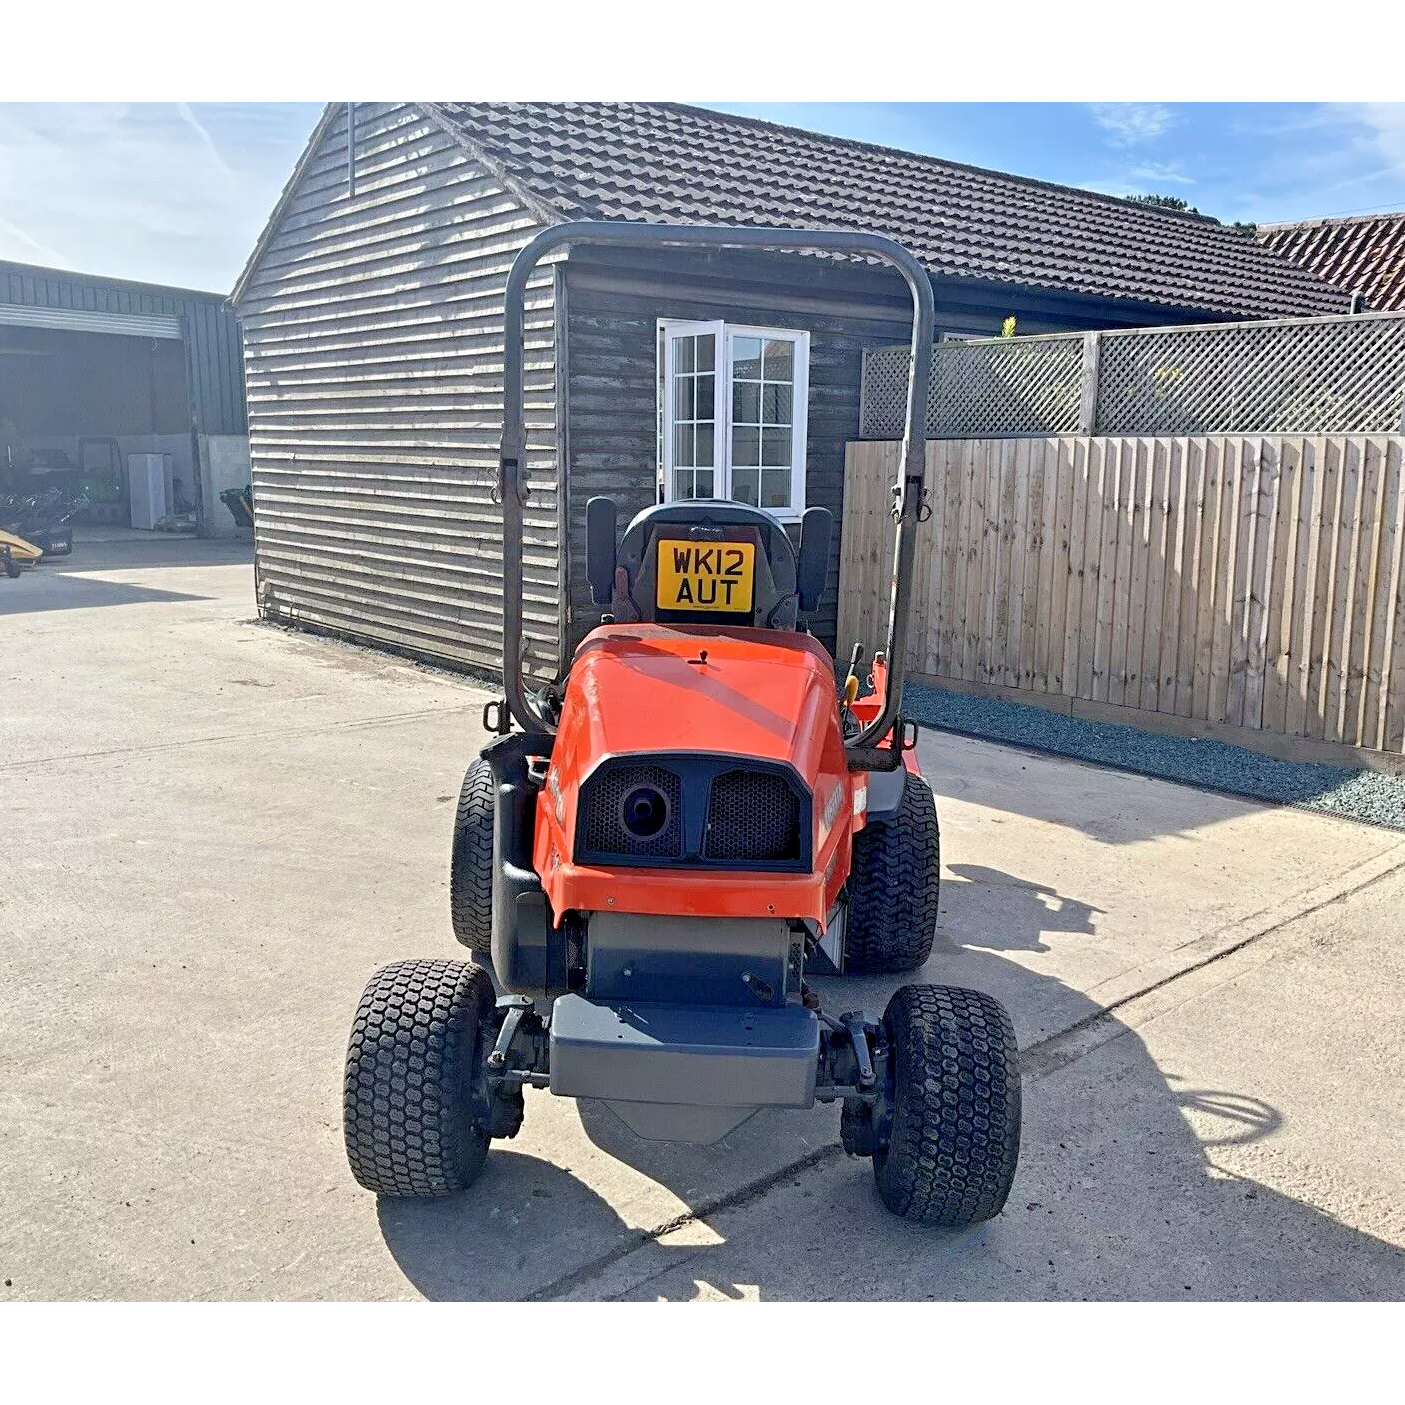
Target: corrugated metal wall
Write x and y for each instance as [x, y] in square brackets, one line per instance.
[373, 359]
[209, 329]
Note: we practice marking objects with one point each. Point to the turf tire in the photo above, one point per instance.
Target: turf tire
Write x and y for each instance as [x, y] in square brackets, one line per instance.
[955, 1087]
[895, 886]
[471, 861]
[409, 1068]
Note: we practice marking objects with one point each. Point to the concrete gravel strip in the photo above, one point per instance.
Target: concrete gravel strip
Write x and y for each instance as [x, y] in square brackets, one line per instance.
[1368, 796]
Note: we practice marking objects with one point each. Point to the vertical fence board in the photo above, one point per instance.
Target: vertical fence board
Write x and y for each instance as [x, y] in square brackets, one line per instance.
[1348, 531]
[1382, 597]
[1076, 533]
[1359, 622]
[1309, 539]
[1279, 605]
[975, 541]
[1139, 611]
[1152, 620]
[1116, 579]
[1099, 551]
[1119, 466]
[1265, 543]
[1033, 673]
[1190, 567]
[1058, 483]
[1393, 687]
[1002, 573]
[1216, 454]
[1164, 650]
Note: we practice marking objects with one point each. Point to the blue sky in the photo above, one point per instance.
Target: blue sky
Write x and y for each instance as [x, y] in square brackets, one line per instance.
[177, 193]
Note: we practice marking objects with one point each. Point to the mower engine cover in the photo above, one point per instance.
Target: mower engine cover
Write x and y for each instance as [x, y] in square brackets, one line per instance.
[752, 816]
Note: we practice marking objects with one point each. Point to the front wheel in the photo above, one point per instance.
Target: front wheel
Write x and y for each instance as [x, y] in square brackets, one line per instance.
[948, 1156]
[411, 1065]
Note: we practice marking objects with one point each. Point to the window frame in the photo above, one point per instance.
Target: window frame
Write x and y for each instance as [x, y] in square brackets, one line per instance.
[669, 329]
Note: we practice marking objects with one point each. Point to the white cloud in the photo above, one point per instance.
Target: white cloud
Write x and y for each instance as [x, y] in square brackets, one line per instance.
[1133, 123]
[1385, 124]
[1160, 173]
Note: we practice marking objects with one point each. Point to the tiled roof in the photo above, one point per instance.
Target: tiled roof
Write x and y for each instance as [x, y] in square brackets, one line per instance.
[1365, 254]
[671, 163]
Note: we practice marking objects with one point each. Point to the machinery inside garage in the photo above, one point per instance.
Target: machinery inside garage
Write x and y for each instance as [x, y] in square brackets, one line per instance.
[119, 403]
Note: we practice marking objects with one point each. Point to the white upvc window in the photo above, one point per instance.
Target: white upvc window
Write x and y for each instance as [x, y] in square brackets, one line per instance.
[732, 414]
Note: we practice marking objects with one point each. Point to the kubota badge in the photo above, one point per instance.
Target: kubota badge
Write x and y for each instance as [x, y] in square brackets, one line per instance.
[706, 576]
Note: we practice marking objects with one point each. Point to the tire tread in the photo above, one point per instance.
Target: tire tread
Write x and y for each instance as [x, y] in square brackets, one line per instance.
[955, 1139]
[895, 886]
[406, 1103]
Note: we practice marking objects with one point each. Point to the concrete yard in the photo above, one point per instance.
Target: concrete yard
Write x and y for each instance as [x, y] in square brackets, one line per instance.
[217, 830]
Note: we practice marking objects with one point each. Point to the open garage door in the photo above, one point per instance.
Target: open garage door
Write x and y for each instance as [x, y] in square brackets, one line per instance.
[94, 403]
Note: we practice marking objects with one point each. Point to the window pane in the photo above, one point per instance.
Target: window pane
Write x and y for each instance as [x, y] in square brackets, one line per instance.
[746, 358]
[684, 391]
[746, 446]
[744, 485]
[683, 483]
[683, 445]
[775, 446]
[706, 357]
[746, 403]
[706, 405]
[704, 457]
[775, 487]
[780, 360]
[776, 401]
[683, 354]
[704, 483]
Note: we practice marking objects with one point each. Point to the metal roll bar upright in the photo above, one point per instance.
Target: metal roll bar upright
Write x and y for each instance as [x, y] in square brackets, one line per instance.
[864, 752]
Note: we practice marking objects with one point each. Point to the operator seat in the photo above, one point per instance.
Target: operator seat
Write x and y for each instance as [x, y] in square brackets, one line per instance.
[787, 584]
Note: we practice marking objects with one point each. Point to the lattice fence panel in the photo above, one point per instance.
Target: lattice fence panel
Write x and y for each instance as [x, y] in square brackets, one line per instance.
[1010, 386]
[1341, 376]
[1305, 376]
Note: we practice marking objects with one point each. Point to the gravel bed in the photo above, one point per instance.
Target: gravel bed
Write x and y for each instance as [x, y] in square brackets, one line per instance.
[1367, 796]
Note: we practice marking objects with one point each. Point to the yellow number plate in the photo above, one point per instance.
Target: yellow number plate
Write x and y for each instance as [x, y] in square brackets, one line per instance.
[706, 576]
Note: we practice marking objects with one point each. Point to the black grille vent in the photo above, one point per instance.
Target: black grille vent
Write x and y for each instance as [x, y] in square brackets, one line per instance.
[752, 815]
[604, 831]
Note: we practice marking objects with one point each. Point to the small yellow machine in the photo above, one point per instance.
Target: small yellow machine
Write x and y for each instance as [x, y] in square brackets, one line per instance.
[15, 552]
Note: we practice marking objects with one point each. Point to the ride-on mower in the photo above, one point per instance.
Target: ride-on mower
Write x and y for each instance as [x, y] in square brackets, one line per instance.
[657, 848]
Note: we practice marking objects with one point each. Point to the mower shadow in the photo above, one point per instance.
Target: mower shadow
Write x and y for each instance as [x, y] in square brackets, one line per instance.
[1117, 1195]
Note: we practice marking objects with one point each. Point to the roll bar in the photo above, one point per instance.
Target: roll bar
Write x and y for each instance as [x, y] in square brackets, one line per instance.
[863, 751]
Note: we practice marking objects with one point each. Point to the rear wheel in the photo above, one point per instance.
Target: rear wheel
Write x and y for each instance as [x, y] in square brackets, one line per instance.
[894, 886]
[414, 1056]
[471, 862]
[949, 1153]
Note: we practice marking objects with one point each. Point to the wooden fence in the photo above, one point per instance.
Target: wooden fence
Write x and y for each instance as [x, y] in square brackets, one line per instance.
[1251, 587]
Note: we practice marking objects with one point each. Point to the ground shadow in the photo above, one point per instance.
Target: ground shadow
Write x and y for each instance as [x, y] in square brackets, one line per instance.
[522, 1224]
[37, 594]
[167, 553]
[991, 909]
[1118, 1193]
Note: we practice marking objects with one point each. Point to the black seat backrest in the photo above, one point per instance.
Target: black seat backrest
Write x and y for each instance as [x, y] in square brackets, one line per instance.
[706, 526]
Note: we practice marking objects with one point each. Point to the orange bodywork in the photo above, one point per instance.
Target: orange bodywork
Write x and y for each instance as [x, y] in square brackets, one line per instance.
[647, 688]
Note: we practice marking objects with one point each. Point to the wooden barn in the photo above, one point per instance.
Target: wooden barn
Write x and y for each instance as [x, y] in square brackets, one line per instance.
[372, 318]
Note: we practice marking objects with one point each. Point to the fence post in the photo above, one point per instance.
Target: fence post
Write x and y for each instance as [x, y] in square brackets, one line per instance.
[1088, 400]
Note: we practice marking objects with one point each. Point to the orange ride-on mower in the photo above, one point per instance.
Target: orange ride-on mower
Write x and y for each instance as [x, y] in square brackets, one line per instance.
[654, 852]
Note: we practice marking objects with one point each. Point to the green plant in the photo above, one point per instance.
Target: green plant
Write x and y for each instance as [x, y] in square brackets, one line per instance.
[1007, 327]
